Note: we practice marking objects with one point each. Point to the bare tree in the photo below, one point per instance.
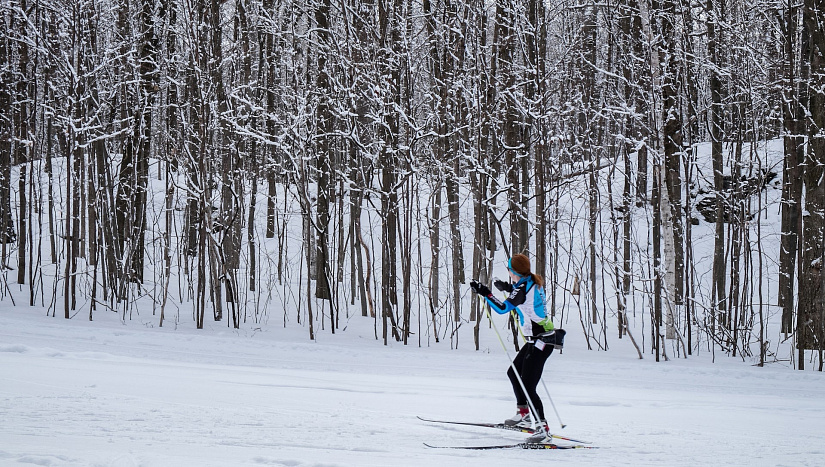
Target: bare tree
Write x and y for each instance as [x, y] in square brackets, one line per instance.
[811, 316]
[793, 111]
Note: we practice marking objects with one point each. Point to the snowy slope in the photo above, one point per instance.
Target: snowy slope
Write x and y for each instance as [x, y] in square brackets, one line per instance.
[79, 393]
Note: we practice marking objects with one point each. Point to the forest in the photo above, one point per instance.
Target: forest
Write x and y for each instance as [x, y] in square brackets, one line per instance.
[308, 162]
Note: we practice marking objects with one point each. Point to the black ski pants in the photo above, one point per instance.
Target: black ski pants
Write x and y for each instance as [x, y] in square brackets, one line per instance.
[530, 363]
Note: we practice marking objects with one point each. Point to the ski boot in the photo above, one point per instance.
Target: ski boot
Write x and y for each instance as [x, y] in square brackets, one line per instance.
[541, 435]
[521, 418]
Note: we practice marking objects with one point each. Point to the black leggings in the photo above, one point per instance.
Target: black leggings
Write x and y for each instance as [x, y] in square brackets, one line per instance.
[530, 363]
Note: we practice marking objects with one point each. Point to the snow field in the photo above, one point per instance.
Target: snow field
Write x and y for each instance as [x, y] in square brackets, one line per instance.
[75, 393]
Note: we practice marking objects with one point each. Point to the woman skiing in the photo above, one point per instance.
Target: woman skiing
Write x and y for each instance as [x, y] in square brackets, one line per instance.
[527, 299]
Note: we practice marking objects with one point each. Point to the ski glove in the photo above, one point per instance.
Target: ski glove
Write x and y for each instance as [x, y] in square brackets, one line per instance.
[480, 289]
[503, 286]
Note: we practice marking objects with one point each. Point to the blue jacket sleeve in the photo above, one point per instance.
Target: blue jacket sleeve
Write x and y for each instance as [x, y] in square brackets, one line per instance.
[500, 307]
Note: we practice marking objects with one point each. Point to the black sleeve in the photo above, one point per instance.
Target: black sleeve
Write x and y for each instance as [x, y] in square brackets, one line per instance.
[518, 295]
[503, 286]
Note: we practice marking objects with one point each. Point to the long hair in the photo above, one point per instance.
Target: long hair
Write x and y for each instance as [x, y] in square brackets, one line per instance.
[520, 264]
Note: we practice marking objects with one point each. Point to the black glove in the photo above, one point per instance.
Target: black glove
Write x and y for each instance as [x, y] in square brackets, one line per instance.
[480, 289]
[503, 286]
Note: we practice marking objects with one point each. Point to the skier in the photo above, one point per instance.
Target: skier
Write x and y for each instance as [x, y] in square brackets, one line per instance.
[525, 288]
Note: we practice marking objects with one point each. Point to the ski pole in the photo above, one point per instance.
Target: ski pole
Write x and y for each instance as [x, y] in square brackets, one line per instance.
[553, 405]
[513, 367]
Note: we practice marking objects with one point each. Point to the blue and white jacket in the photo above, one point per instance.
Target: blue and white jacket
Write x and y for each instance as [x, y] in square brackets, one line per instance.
[532, 316]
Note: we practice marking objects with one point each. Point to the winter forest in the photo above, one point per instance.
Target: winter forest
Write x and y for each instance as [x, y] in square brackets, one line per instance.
[311, 162]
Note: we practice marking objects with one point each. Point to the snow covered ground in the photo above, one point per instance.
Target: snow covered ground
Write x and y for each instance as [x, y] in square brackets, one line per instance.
[105, 393]
[75, 393]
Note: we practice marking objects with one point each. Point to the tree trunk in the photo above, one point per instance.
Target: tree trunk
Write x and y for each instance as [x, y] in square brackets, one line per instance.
[718, 292]
[435, 248]
[514, 147]
[22, 148]
[7, 233]
[672, 179]
[324, 153]
[791, 188]
[811, 318]
[388, 130]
